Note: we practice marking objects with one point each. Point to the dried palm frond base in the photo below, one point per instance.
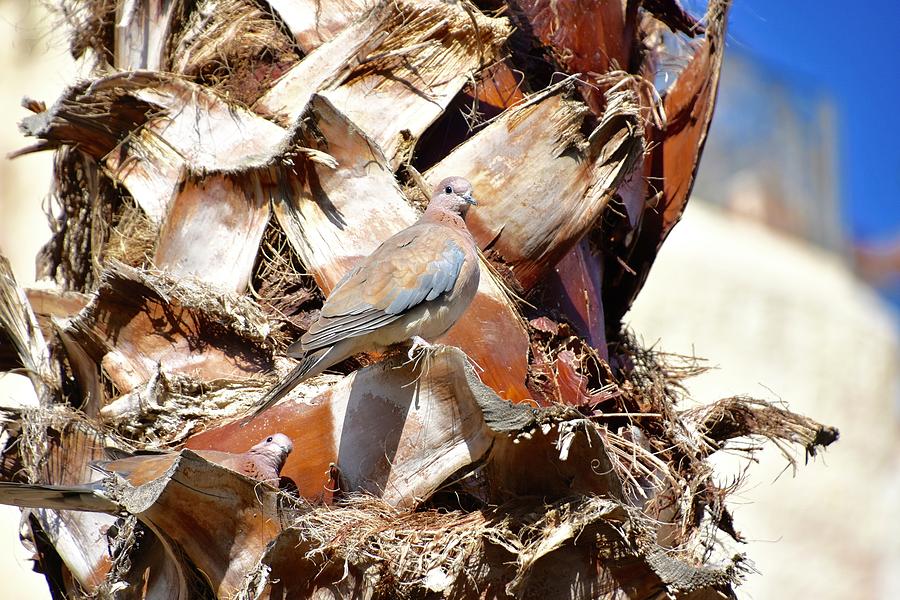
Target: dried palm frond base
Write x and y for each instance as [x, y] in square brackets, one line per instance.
[652, 532]
[586, 547]
[568, 542]
[582, 536]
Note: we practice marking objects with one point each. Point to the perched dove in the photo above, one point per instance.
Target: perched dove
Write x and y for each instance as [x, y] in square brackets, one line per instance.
[415, 285]
[263, 462]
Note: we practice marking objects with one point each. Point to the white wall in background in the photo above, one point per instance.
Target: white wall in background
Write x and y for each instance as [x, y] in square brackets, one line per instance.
[34, 62]
[783, 320]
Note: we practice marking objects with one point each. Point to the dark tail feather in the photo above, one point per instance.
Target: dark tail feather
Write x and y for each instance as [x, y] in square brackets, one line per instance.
[60, 497]
[302, 371]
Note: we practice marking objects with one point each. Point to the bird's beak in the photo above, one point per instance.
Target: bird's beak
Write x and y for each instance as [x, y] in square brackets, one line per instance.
[469, 199]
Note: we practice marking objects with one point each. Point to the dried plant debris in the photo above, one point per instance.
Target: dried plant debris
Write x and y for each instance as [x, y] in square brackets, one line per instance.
[94, 120]
[731, 418]
[590, 39]
[315, 22]
[220, 512]
[83, 206]
[141, 560]
[564, 369]
[670, 170]
[675, 444]
[282, 286]
[657, 452]
[132, 237]
[573, 292]
[24, 344]
[142, 35]
[235, 208]
[38, 440]
[149, 130]
[169, 408]
[512, 551]
[394, 71]
[641, 470]
[489, 92]
[235, 46]
[91, 26]
[287, 99]
[430, 51]
[55, 445]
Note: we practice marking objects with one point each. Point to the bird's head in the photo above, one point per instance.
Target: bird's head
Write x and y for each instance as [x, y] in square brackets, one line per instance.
[277, 446]
[453, 194]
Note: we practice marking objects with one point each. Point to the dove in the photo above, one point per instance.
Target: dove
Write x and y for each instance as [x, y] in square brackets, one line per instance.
[413, 287]
[263, 462]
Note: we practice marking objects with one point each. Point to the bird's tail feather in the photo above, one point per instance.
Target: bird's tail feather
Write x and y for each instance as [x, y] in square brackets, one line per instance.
[60, 497]
[307, 368]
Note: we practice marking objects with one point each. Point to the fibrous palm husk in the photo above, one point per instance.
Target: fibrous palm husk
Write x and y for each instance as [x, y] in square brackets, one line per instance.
[366, 549]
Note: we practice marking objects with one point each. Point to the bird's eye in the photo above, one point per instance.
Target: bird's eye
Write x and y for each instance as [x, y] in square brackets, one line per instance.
[448, 190]
[269, 439]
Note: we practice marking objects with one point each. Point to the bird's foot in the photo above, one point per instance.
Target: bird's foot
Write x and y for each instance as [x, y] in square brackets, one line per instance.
[418, 345]
[420, 355]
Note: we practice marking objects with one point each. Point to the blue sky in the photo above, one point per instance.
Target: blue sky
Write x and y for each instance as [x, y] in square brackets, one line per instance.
[852, 51]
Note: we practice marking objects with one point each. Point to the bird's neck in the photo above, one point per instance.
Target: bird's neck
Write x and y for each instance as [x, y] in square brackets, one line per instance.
[434, 214]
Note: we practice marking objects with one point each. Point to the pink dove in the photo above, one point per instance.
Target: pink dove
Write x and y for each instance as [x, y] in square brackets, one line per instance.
[263, 462]
[415, 285]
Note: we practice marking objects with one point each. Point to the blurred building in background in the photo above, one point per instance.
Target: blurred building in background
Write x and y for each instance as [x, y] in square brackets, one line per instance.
[759, 278]
[772, 154]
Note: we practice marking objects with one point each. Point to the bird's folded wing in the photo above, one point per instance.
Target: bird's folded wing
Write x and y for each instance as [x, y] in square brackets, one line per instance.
[412, 267]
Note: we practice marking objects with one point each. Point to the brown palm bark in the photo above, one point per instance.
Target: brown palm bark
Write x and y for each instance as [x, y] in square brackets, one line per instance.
[229, 160]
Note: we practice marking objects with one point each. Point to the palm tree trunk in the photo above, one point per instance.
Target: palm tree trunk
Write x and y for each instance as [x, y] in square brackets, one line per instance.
[230, 160]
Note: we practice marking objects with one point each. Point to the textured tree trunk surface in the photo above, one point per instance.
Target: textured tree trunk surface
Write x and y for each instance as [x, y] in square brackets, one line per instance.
[227, 162]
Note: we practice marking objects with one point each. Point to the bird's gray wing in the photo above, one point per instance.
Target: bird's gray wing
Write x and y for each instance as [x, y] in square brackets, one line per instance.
[416, 265]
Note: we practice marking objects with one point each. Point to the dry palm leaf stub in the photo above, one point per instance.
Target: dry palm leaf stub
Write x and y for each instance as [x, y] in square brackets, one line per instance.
[670, 169]
[150, 486]
[138, 323]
